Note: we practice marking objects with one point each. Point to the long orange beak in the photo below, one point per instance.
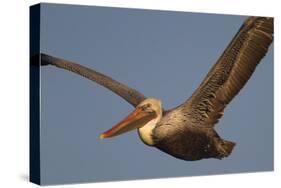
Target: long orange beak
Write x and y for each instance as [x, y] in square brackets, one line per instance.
[134, 120]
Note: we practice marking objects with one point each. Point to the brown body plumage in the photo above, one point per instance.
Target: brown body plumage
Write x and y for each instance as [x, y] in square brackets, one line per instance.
[187, 131]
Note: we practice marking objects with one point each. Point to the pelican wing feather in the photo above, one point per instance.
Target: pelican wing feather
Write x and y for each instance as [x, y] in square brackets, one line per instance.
[132, 96]
[231, 72]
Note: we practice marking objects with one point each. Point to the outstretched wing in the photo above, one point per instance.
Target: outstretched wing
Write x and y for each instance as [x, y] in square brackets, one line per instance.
[132, 96]
[231, 72]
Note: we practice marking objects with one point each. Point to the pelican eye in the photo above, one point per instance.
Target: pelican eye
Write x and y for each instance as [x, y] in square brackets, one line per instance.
[147, 108]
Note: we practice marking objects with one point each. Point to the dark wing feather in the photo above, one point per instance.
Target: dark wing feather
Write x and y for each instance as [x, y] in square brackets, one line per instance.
[231, 72]
[130, 95]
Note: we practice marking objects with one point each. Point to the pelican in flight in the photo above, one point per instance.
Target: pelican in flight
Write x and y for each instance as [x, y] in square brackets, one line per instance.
[187, 131]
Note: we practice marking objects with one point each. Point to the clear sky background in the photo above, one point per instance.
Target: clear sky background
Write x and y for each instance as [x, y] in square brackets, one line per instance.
[162, 54]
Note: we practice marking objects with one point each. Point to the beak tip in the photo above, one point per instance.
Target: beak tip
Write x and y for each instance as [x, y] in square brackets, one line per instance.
[102, 136]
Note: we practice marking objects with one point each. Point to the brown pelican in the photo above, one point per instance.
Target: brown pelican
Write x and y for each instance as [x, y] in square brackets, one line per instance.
[187, 131]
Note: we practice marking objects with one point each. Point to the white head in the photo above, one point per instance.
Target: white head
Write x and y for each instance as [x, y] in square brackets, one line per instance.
[145, 132]
[144, 117]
